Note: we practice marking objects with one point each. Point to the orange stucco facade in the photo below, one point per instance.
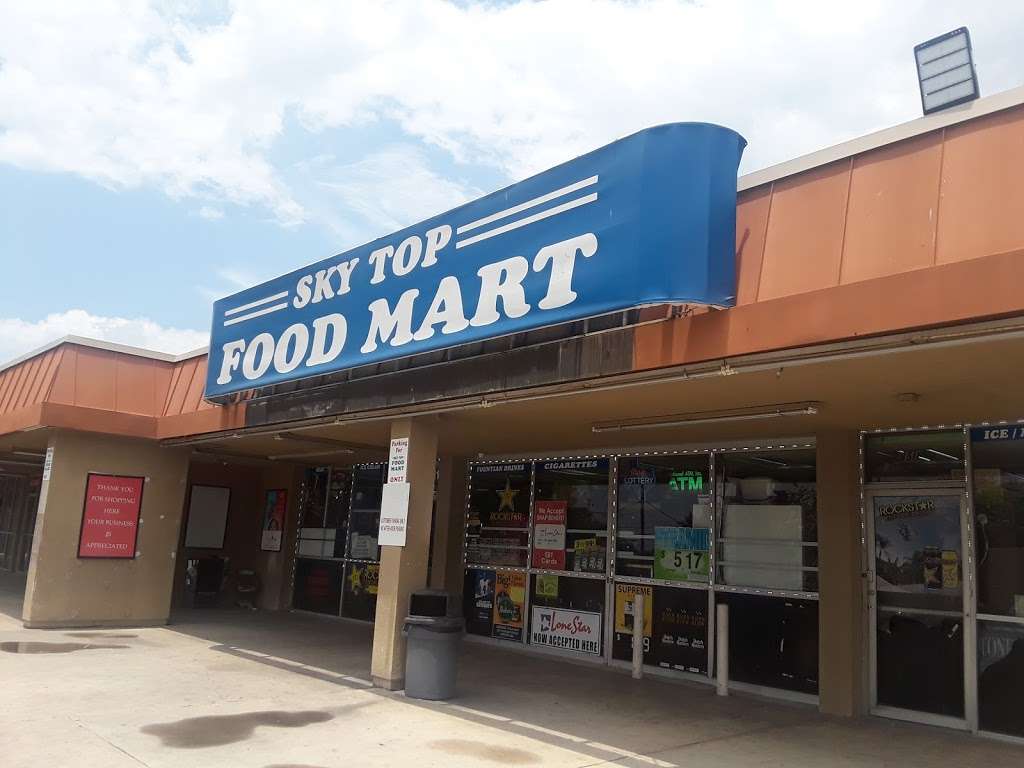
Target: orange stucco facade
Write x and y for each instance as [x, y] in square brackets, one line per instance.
[921, 232]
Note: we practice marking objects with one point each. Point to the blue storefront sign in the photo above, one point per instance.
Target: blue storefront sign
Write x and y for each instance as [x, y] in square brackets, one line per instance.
[998, 432]
[649, 219]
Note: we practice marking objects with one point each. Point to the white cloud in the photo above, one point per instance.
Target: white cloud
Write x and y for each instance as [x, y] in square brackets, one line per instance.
[210, 213]
[20, 336]
[393, 188]
[127, 94]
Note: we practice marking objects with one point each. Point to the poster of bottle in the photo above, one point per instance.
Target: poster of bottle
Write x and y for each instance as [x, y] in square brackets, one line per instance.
[917, 551]
[588, 556]
[622, 639]
[681, 554]
[509, 605]
[680, 630]
[274, 507]
[549, 534]
[479, 601]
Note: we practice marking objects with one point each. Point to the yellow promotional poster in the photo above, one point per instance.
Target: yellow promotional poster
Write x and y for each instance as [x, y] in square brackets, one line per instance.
[547, 586]
[509, 605]
[624, 594]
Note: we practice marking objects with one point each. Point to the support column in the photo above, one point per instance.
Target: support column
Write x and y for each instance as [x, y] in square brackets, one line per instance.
[841, 665]
[404, 569]
[449, 524]
[66, 591]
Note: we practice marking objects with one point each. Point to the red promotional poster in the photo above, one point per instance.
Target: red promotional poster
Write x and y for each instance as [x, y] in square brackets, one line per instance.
[549, 534]
[110, 516]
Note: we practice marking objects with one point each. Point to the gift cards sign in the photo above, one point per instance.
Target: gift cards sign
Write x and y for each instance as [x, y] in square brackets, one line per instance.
[549, 534]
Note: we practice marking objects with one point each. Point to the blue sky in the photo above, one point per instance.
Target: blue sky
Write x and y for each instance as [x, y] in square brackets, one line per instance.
[154, 156]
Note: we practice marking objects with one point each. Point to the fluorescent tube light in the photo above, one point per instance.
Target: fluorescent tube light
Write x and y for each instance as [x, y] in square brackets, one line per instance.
[712, 417]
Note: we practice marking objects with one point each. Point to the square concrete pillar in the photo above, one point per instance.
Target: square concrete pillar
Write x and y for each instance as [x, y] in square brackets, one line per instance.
[841, 609]
[449, 524]
[65, 591]
[404, 569]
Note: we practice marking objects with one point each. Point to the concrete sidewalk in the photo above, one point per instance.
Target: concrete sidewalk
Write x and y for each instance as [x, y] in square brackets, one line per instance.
[253, 689]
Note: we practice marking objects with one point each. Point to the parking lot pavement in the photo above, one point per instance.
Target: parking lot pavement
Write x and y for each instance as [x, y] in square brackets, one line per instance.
[224, 688]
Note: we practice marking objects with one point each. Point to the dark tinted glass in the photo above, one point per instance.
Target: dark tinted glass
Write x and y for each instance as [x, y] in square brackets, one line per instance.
[773, 641]
[571, 515]
[497, 527]
[657, 497]
[914, 456]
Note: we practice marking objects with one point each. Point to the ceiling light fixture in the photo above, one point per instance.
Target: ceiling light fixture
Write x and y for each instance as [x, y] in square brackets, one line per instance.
[712, 417]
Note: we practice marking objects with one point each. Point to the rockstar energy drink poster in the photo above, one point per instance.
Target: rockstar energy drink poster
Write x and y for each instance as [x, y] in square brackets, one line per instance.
[509, 605]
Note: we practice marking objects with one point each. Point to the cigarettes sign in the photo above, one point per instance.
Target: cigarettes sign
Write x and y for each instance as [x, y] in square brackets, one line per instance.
[110, 516]
[648, 219]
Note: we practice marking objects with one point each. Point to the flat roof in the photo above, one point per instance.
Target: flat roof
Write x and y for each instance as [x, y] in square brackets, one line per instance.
[953, 115]
[109, 346]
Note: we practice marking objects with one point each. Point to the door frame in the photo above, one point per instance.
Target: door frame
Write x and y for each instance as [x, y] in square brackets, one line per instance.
[944, 488]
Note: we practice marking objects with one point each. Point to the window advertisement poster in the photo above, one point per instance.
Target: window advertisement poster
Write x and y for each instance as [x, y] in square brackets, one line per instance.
[509, 605]
[549, 534]
[478, 591]
[681, 554]
[917, 551]
[622, 640]
[547, 586]
[588, 556]
[497, 520]
[360, 598]
[675, 626]
[566, 629]
[275, 506]
[110, 516]
[680, 632]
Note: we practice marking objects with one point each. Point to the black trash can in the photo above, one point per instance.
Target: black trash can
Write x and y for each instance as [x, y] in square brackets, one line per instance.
[434, 634]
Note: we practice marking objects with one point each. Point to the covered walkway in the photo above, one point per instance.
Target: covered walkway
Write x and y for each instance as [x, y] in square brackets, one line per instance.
[221, 688]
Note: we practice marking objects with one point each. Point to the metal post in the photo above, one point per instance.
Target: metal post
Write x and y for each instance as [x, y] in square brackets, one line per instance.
[638, 635]
[722, 649]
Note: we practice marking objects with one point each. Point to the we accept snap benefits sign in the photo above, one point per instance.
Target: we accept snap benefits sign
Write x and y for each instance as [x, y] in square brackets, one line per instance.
[649, 219]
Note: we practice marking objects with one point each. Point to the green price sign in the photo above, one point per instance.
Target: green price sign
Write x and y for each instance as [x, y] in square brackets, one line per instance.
[681, 554]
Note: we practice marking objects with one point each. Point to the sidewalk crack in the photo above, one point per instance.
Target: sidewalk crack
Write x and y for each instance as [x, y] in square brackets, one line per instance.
[107, 741]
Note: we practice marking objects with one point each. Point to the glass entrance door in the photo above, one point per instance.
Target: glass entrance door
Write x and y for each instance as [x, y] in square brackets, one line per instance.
[917, 603]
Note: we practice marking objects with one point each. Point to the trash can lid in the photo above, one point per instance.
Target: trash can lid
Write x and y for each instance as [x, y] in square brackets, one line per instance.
[432, 602]
[443, 624]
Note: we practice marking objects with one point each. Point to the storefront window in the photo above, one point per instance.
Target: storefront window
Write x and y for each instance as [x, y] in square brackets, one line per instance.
[768, 529]
[337, 508]
[773, 642]
[570, 515]
[317, 585]
[675, 626]
[997, 462]
[998, 470]
[1001, 677]
[497, 524]
[566, 613]
[663, 524]
[914, 456]
[367, 487]
[316, 537]
[495, 603]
